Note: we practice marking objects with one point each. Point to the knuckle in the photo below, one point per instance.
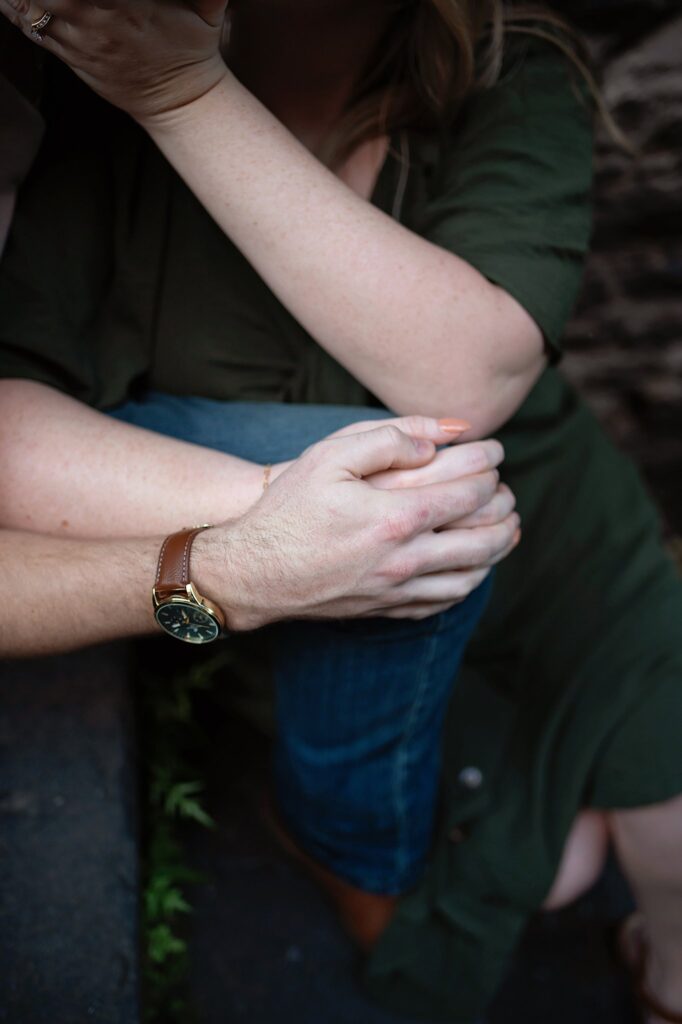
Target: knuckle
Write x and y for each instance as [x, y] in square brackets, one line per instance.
[506, 498]
[496, 451]
[492, 513]
[419, 514]
[499, 539]
[400, 570]
[475, 457]
[505, 534]
[497, 511]
[397, 525]
[394, 436]
[479, 456]
[315, 454]
[481, 549]
[416, 425]
[395, 480]
[419, 614]
[16, 19]
[459, 588]
[467, 583]
[469, 497]
[488, 484]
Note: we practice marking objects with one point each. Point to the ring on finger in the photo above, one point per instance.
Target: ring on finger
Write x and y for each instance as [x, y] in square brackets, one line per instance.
[39, 26]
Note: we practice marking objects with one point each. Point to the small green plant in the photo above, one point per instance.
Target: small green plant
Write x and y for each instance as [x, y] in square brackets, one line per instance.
[172, 797]
[181, 800]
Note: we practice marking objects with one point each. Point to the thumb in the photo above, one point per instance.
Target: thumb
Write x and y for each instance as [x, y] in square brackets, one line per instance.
[384, 448]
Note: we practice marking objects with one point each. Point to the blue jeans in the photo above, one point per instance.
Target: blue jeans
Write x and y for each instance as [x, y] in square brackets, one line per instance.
[360, 703]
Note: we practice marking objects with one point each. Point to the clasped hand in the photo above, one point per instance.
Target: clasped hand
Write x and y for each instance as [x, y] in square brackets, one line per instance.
[148, 57]
[365, 524]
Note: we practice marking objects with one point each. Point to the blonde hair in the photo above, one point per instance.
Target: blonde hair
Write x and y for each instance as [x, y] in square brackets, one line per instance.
[433, 56]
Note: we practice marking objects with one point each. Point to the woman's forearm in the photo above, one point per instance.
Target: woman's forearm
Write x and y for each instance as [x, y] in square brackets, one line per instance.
[420, 327]
[66, 469]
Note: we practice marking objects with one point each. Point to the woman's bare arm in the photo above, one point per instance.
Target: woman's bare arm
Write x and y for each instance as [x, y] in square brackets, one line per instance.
[68, 470]
[421, 328]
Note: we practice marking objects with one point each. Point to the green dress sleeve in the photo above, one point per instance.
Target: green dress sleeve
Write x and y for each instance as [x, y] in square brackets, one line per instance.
[511, 193]
[54, 274]
[79, 277]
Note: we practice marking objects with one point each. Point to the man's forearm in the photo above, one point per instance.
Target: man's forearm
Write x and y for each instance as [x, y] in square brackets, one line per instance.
[62, 594]
[68, 470]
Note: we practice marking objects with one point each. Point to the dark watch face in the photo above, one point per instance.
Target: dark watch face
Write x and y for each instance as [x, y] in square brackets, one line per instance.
[187, 622]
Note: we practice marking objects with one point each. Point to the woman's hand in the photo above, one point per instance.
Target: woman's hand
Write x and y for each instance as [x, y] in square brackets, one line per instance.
[422, 428]
[148, 57]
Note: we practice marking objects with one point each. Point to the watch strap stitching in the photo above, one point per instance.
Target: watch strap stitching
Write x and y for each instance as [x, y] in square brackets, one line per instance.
[180, 560]
[161, 557]
[185, 555]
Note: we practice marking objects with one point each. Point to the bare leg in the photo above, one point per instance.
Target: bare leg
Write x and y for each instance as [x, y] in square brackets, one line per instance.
[648, 842]
[583, 859]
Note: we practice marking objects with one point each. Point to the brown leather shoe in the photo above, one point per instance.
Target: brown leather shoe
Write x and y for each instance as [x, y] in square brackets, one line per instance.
[363, 915]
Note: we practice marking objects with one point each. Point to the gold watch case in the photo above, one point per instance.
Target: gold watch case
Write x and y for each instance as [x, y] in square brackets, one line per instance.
[187, 616]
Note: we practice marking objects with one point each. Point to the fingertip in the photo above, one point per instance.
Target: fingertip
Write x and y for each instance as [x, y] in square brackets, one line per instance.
[453, 427]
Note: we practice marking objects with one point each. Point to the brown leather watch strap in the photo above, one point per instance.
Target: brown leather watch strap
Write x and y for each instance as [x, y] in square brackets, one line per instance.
[172, 573]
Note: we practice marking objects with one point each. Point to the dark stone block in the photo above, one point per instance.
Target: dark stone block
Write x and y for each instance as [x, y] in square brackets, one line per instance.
[624, 344]
[69, 887]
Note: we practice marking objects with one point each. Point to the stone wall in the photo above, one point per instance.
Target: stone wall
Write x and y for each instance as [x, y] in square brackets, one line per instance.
[625, 341]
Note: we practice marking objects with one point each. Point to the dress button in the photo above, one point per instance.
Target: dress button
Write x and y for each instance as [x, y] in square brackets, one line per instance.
[456, 835]
[471, 777]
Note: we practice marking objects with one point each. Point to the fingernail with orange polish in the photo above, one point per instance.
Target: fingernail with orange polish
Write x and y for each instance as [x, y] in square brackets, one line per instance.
[517, 537]
[451, 426]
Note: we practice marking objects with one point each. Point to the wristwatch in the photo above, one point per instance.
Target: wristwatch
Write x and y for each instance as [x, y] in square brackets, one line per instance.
[179, 608]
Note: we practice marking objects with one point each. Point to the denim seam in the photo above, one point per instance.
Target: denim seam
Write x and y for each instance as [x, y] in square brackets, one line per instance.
[402, 756]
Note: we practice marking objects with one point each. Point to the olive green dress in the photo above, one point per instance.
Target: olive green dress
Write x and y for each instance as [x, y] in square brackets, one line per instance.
[115, 280]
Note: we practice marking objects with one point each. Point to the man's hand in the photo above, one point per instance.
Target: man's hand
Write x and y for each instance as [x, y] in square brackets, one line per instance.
[323, 542]
[480, 531]
[456, 464]
[466, 459]
[421, 428]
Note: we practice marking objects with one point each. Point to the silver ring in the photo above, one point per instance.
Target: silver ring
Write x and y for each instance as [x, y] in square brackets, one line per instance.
[38, 27]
